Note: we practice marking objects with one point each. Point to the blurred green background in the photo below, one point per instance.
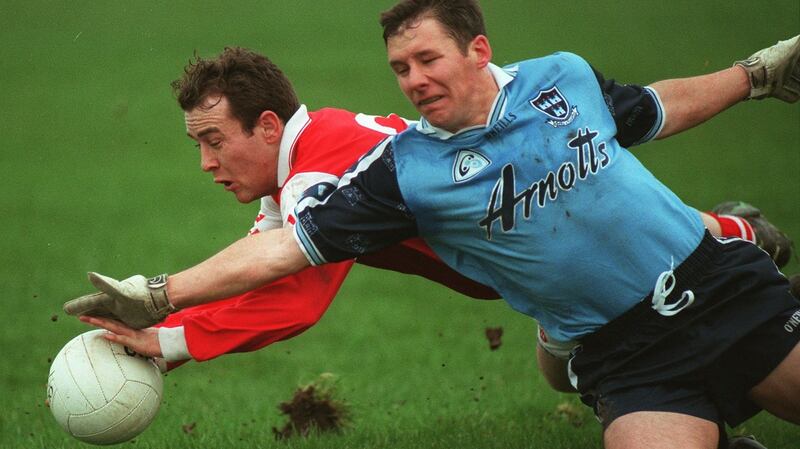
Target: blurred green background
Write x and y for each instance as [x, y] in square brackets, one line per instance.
[99, 175]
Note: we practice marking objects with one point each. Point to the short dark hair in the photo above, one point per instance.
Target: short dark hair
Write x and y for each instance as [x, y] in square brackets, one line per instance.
[250, 81]
[462, 19]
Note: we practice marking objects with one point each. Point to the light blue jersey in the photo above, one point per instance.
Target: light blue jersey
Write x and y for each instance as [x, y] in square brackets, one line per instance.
[543, 204]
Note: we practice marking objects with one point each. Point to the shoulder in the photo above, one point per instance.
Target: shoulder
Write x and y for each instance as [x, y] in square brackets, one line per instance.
[326, 123]
[339, 125]
[562, 59]
[335, 139]
[333, 114]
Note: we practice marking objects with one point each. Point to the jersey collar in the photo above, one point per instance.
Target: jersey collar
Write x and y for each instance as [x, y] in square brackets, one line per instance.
[502, 76]
[291, 133]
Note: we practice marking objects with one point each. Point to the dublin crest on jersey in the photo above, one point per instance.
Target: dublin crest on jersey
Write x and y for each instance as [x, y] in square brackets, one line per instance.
[468, 164]
[553, 104]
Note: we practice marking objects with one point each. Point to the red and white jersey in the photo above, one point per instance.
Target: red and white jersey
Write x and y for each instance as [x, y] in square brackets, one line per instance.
[315, 147]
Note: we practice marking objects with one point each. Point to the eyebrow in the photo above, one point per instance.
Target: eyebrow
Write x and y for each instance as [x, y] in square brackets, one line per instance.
[209, 130]
[417, 55]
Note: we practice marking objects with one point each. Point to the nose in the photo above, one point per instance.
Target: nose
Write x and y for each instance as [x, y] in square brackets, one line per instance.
[208, 160]
[416, 79]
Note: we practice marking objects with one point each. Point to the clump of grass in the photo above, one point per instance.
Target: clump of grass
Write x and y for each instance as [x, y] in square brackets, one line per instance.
[314, 408]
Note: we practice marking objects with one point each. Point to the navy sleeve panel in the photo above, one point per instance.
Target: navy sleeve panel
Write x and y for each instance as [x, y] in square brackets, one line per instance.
[364, 213]
[637, 110]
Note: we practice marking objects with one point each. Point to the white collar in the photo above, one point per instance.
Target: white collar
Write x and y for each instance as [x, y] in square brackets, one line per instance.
[291, 132]
[501, 78]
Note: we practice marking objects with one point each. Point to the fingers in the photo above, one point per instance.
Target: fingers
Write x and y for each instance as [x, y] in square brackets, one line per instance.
[110, 325]
[144, 341]
[87, 303]
[103, 283]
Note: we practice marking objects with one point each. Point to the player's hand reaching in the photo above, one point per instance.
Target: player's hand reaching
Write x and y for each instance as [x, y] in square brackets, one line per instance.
[775, 71]
[137, 301]
[142, 341]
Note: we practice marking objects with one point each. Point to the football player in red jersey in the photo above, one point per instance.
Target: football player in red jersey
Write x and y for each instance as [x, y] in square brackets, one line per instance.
[266, 145]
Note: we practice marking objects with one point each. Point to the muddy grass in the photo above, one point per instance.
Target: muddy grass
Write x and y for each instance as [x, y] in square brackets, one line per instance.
[313, 408]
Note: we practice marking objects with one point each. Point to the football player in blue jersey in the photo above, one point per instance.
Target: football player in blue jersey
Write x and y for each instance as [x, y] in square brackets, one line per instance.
[429, 55]
[519, 177]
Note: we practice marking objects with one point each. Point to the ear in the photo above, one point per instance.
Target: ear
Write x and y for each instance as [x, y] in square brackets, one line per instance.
[481, 50]
[270, 126]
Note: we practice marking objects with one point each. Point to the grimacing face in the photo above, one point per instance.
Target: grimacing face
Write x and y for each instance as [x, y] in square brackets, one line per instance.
[451, 89]
[245, 164]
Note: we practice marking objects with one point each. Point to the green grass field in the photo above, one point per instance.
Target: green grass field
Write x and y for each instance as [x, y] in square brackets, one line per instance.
[99, 175]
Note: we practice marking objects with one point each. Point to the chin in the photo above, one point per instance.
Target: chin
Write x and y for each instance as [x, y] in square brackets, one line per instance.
[437, 121]
[444, 125]
[244, 198]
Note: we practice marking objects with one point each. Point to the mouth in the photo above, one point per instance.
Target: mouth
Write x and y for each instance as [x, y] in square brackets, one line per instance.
[429, 100]
[227, 184]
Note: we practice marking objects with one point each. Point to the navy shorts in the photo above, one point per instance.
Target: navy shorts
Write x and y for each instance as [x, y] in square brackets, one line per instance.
[703, 360]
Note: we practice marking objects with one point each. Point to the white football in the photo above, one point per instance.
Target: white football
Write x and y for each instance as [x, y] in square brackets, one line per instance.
[102, 392]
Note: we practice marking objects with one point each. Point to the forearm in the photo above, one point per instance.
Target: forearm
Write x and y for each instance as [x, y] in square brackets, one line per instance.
[249, 263]
[689, 102]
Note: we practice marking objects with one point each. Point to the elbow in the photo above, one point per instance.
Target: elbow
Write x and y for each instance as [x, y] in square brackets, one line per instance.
[311, 318]
[305, 318]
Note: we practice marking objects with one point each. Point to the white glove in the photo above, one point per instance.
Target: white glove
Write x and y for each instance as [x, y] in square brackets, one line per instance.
[137, 301]
[775, 71]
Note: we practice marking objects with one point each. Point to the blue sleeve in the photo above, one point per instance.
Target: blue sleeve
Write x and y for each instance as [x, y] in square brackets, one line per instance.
[637, 110]
[364, 213]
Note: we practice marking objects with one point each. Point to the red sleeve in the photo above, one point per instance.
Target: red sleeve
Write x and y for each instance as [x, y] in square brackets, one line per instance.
[260, 317]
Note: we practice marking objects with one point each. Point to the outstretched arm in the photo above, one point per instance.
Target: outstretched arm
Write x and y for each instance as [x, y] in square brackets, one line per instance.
[689, 102]
[246, 264]
[277, 311]
[771, 72]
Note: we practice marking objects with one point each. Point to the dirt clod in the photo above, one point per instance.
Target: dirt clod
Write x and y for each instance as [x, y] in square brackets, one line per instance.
[494, 335]
[313, 408]
[188, 428]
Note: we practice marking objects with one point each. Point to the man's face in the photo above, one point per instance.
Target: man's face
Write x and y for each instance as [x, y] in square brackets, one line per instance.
[446, 86]
[246, 164]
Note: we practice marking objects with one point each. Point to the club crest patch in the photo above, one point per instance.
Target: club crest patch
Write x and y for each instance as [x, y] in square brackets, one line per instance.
[468, 164]
[553, 104]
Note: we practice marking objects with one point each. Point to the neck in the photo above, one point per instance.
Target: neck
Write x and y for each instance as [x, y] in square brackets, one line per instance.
[483, 95]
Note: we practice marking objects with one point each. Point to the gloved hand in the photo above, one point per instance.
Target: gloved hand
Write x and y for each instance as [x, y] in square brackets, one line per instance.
[136, 301]
[775, 71]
